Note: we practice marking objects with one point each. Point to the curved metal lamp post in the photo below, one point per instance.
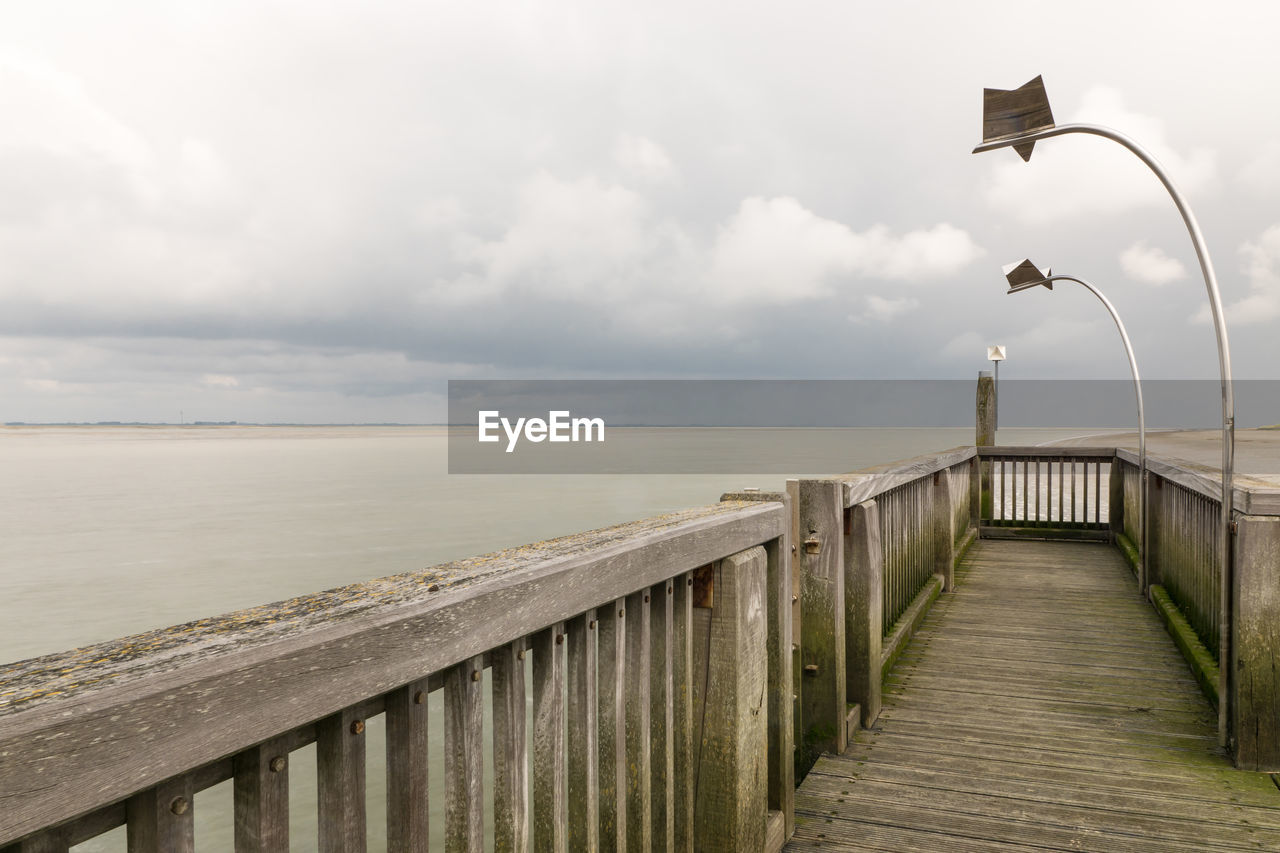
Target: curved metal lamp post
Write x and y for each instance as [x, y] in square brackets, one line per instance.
[1025, 275]
[1018, 118]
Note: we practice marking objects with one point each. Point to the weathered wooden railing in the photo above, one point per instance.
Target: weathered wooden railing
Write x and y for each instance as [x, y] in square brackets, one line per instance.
[677, 666]
[1035, 490]
[644, 639]
[877, 548]
[1059, 492]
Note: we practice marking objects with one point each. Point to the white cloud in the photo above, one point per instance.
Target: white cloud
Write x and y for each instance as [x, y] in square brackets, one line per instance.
[1078, 175]
[218, 380]
[1150, 265]
[883, 310]
[776, 250]
[1261, 175]
[643, 158]
[570, 238]
[1262, 267]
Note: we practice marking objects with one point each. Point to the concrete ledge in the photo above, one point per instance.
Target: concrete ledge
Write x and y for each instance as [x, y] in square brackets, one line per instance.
[906, 625]
[1130, 552]
[1184, 637]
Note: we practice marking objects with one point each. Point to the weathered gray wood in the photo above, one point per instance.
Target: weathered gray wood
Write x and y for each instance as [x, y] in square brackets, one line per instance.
[340, 771]
[782, 767]
[732, 797]
[463, 757]
[939, 511]
[638, 759]
[822, 648]
[1046, 452]
[985, 436]
[683, 768]
[550, 806]
[510, 750]
[162, 819]
[611, 697]
[1255, 644]
[246, 677]
[799, 762]
[261, 798]
[583, 779]
[661, 715]
[53, 841]
[1155, 517]
[407, 798]
[858, 486]
[1115, 499]
[1042, 707]
[1252, 494]
[864, 610]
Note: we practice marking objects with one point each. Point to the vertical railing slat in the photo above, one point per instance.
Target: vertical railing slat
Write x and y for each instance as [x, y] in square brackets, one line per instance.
[340, 761]
[407, 805]
[682, 697]
[261, 798]
[550, 806]
[611, 686]
[638, 759]
[510, 750]
[463, 757]
[161, 819]
[662, 747]
[584, 786]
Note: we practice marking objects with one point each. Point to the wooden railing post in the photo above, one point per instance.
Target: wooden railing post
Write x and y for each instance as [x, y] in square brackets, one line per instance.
[1155, 504]
[161, 819]
[863, 605]
[944, 539]
[782, 744]
[985, 435]
[1115, 499]
[732, 804]
[1255, 644]
[261, 798]
[820, 562]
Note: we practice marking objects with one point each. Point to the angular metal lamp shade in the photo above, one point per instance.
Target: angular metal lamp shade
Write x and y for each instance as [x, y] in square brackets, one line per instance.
[1023, 274]
[1007, 113]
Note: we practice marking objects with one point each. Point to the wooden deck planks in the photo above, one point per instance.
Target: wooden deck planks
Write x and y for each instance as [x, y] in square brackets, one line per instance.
[1040, 706]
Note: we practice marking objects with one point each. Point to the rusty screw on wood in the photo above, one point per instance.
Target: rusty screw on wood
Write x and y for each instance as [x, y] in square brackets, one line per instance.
[619, 614]
[520, 655]
[646, 598]
[811, 669]
[689, 582]
[435, 587]
[812, 545]
[559, 639]
[278, 764]
[419, 698]
[591, 626]
[475, 675]
[357, 727]
[794, 599]
[179, 805]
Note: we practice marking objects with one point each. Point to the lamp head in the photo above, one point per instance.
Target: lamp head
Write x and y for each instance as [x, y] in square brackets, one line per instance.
[1024, 274]
[1010, 113]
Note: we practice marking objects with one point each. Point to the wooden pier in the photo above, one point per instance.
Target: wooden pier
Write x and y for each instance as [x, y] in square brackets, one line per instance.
[1041, 706]
[904, 643]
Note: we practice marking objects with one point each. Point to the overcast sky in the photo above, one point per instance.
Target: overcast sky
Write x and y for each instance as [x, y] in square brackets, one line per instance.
[321, 211]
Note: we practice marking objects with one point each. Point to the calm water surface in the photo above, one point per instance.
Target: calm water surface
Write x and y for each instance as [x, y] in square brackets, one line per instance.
[108, 531]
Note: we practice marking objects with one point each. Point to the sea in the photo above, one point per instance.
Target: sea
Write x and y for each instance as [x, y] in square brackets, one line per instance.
[107, 531]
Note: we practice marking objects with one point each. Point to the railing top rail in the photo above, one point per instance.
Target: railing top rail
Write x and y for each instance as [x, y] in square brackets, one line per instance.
[1063, 451]
[1252, 494]
[869, 482]
[148, 707]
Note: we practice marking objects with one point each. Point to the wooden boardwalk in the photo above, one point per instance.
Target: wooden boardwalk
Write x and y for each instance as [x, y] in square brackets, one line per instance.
[1041, 706]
